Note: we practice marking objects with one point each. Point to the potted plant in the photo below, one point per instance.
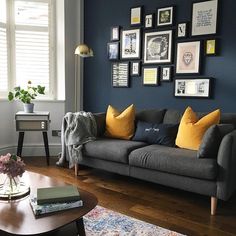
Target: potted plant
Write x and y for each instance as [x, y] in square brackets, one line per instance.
[26, 95]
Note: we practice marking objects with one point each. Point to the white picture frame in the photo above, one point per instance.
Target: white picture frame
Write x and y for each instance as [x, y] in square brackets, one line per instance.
[158, 47]
[204, 18]
[188, 57]
[166, 74]
[130, 44]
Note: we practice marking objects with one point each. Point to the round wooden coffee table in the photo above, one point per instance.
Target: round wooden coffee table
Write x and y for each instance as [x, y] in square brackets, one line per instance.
[17, 217]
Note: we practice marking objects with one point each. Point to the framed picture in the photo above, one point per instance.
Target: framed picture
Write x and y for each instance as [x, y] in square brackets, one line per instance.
[120, 74]
[166, 73]
[204, 17]
[136, 16]
[188, 57]
[199, 87]
[165, 16]
[149, 21]
[211, 47]
[182, 30]
[158, 47]
[115, 33]
[135, 68]
[113, 51]
[131, 44]
[151, 76]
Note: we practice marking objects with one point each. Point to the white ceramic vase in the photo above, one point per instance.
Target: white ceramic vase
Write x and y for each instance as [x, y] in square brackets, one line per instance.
[28, 107]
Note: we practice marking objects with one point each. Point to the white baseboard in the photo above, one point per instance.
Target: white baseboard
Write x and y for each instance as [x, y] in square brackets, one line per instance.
[32, 150]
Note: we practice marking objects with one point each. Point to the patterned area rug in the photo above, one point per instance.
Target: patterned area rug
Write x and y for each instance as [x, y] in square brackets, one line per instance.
[104, 222]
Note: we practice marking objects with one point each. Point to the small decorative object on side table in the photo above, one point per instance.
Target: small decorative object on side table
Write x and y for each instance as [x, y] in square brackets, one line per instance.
[12, 168]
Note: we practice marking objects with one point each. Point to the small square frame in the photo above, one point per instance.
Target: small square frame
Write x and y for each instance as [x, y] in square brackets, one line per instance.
[165, 12]
[151, 76]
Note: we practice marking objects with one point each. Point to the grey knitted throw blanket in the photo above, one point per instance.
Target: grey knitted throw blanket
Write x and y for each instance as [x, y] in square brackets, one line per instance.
[77, 129]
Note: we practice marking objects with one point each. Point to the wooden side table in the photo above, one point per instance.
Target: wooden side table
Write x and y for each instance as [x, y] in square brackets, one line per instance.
[37, 121]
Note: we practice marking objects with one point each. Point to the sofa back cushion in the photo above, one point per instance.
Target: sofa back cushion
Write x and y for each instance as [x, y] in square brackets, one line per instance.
[151, 115]
[172, 116]
[120, 124]
[191, 129]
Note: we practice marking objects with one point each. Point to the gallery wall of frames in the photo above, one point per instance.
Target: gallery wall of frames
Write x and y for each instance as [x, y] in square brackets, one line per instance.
[157, 48]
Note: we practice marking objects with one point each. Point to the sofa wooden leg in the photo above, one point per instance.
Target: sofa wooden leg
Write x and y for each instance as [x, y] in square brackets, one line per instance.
[76, 169]
[213, 205]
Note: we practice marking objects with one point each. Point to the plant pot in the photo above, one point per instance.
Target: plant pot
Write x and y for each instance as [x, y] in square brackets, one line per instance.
[28, 107]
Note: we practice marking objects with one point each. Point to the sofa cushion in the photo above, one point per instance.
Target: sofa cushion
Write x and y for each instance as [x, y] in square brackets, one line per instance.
[151, 115]
[120, 124]
[173, 160]
[191, 129]
[116, 150]
[163, 134]
[172, 117]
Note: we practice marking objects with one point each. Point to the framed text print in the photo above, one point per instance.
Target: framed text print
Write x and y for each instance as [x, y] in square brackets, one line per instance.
[204, 17]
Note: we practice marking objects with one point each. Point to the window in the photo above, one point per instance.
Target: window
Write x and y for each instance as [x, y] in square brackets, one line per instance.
[27, 44]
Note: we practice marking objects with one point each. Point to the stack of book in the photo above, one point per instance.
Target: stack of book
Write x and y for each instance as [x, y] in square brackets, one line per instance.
[54, 199]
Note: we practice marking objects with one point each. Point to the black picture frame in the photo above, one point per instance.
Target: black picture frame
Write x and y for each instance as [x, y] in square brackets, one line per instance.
[113, 51]
[166, 77]
[164, 39]
[165, 16]
[135, 68]
[126, 51]
[182, 30]
[115, 33]
[193, 87]
[188, 58]
[199, 8]
[214, 47]
[149, 21]
[136, 16]
[120, 74]
[151, 76]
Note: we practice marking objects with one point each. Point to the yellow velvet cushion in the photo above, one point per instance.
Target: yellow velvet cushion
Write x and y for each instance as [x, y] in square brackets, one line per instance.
[191, 129]
[120, 124]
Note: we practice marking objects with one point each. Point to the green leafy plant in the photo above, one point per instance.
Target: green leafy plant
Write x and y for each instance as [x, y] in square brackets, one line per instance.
[26, 95]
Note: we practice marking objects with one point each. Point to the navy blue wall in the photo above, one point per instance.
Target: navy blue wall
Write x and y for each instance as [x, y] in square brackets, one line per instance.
[100, 15]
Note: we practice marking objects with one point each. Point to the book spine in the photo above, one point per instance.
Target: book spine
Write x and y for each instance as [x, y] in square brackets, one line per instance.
[58, 200]
[49, 208]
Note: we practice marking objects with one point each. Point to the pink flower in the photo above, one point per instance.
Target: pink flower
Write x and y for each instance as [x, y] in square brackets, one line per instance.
[11, 165]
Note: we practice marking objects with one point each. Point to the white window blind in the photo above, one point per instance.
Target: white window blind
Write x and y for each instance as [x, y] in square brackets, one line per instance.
[3, 48]
[32, 43]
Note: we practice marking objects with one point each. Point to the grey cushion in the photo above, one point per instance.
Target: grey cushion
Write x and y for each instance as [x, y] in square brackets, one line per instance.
[151, 115]
[111, 149]
[210, 143]
[101, 123]
[225, 129]
[172, 117]
[174, 160]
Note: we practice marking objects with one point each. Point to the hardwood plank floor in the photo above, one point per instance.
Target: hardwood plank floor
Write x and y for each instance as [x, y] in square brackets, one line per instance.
[170, 208]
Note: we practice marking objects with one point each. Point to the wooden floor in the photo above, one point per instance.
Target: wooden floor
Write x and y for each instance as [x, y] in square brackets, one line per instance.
[184, 212]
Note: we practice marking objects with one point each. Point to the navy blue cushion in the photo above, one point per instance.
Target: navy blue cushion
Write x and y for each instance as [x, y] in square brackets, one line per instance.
[163, 134]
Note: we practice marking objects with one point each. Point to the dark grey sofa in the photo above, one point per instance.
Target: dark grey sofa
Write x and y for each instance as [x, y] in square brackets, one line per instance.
[170, 166]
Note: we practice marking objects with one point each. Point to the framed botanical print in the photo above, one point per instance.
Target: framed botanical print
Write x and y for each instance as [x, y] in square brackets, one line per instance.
[136, 16]
[188, 57]
[149, 21]
[182, 30]
[135, 68]
[115, 33]
[131, 44]
[113, 51]
[165, 16]
[158, 47]
[204, 17]
[166, 74]
[188, 87]
[211, 47]
[120, 74]
[151, 76]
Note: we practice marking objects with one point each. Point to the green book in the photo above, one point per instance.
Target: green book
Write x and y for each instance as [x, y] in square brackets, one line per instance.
[57, 194]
